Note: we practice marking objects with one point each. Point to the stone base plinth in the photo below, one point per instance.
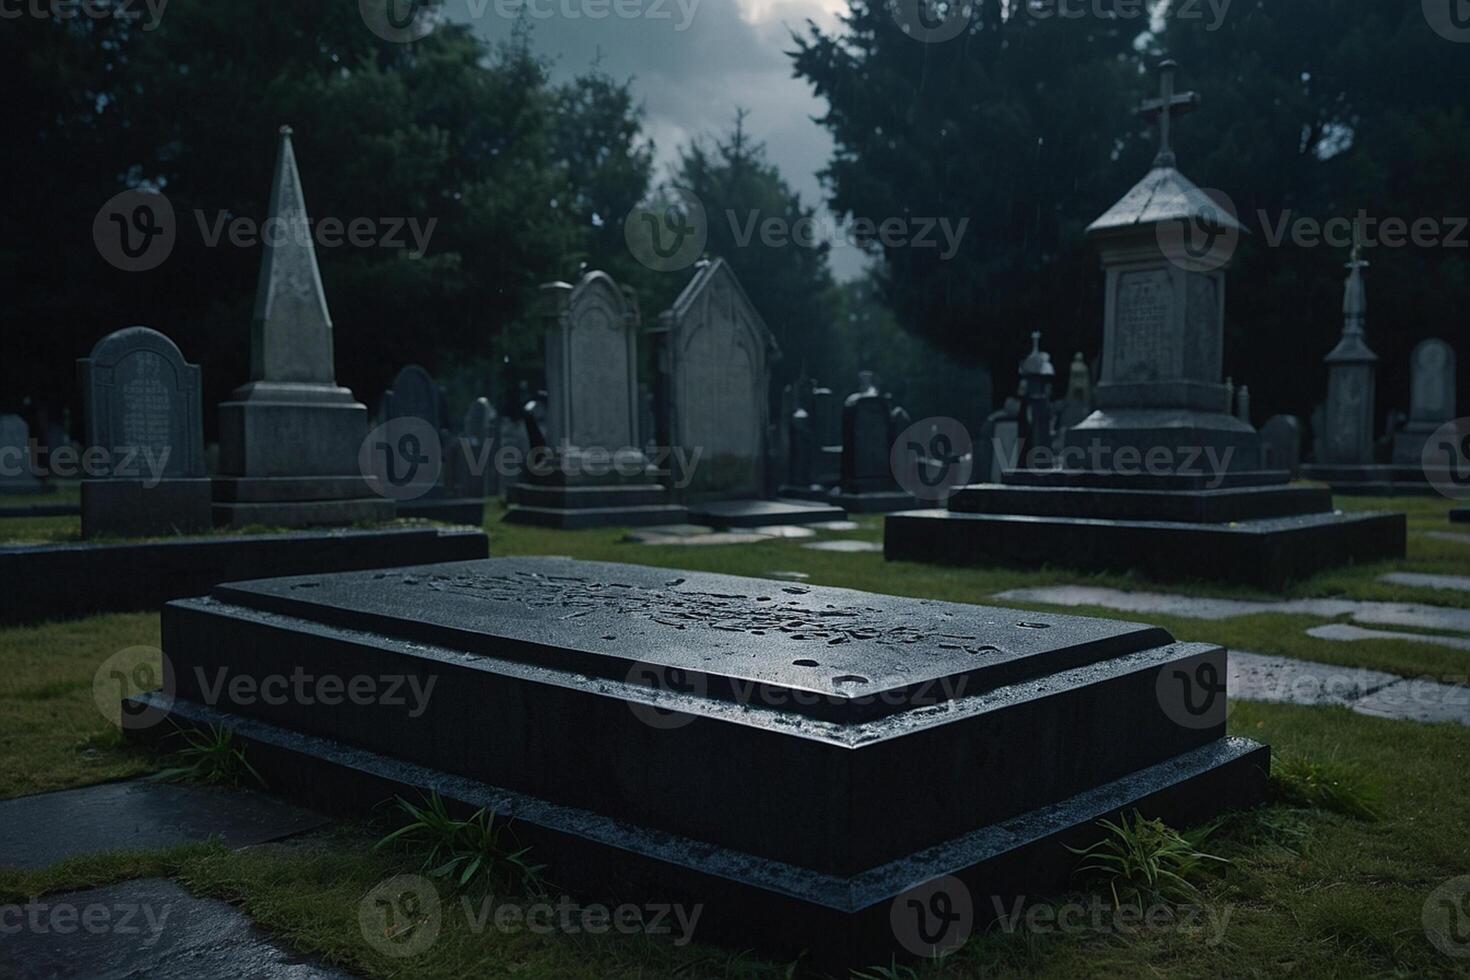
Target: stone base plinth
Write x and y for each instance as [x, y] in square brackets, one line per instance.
[1373, 480]
[1251, 529]
[123, 508]
[291, 431]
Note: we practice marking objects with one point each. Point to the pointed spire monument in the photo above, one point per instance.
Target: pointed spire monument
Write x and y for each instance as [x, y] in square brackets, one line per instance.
[290, 438]
[291, 337]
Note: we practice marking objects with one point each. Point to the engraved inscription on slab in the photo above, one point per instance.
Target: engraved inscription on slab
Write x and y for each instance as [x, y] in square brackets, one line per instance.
[1143, 348]
[144, 392]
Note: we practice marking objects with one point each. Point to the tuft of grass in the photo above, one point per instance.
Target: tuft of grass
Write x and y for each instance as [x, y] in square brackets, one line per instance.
[466, 853]
[1146, 861]
[209, 757]
[1322, 784]
[893, 971]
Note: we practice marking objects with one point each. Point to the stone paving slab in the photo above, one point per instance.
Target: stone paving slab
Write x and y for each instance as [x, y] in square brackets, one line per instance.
[847, 546]
[712, 538]
[1284, 680]
[1454, 536]
[139, 815]
[835, 525]
[1373, 613]
[784, 531]
[1346, 632]
[1458, 583]
[149, 927]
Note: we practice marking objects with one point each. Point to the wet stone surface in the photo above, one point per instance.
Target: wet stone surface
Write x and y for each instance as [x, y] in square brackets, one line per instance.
[602, 619]
[139, 815]
[146, 928]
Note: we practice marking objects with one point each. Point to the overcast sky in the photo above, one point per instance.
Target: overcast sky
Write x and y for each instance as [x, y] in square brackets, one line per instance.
[692, 62]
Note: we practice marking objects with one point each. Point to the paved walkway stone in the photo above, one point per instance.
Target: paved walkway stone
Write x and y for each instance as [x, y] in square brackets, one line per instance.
[1455, 536]
[145, 928]
[37, 831]
[785, 531]
[1283, 680]
[1373, 613]
[1458, 583]
[1346, 632]
[846, 545]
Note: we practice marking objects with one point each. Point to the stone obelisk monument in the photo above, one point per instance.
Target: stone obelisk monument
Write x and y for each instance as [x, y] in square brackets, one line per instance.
[290, 437]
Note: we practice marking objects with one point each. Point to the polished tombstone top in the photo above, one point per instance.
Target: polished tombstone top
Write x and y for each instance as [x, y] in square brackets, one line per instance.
[862, 654]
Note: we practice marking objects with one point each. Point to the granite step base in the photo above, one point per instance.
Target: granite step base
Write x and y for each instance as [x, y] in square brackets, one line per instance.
[1266, 554]
[781, 909]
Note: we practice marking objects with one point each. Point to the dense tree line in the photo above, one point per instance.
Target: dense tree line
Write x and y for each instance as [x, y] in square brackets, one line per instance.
[1024, 122]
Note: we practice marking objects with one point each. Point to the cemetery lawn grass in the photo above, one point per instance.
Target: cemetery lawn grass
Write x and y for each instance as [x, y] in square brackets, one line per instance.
[1308, 892]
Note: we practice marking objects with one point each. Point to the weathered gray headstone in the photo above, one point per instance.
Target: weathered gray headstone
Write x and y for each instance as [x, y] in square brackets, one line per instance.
[1431, 398]
[470, 467]
[1282, 435]
[593, 471]
[867, 439]
[718, 352]
[291, 439]
[141, 406]
[413, 394]
[15, 458]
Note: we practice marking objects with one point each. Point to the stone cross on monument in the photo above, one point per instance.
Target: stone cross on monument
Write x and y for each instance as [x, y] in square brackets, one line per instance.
[1163, 109]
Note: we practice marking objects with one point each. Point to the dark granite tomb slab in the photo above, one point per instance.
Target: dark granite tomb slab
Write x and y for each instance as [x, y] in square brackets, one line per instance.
[1246, 527]
[1374, 480]
[135, 575]
[1266, 553]
[796, 758]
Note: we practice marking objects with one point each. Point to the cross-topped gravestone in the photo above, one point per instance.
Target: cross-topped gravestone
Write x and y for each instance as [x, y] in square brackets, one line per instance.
[1351, 373]
[1163, 109]
[1165, 246]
